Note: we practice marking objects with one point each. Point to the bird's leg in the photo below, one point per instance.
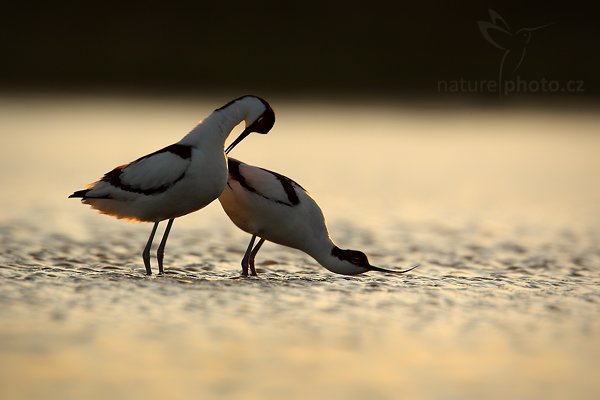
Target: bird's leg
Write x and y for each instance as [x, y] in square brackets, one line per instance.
[253, 255]
[160, 253]
[146, 252]
[247, 256]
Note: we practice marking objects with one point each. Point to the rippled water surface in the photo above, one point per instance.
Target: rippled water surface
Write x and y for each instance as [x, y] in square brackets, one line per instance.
[501, 209]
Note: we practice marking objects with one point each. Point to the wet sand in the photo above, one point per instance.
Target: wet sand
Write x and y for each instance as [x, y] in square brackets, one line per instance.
[500, 208]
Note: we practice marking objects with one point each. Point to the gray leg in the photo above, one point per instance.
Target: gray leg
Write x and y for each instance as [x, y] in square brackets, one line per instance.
[247, 256]
[146, 252]
[160, 254]
[253, 255]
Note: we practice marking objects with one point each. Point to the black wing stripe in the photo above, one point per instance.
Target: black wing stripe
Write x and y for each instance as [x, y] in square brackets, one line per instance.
[288, 186]
[181, 150]
[235, 174]
[114, 177]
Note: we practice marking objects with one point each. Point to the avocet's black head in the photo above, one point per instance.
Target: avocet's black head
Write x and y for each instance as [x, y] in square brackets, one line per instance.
[265, 121]
[354, 262]
[258, 114]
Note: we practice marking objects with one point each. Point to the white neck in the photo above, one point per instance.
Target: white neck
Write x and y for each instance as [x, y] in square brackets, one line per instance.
[215, 129]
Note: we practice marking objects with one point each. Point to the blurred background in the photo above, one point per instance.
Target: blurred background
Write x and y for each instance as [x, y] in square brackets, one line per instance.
[464, 137]
[398, 50]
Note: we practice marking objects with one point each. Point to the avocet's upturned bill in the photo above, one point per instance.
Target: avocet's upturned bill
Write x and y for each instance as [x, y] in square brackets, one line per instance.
[180, 178]
[273, 207]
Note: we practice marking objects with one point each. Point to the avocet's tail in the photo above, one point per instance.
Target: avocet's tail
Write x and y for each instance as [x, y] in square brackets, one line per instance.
[79, 194]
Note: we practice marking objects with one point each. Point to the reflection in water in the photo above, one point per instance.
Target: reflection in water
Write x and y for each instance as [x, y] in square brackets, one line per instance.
[500, 208]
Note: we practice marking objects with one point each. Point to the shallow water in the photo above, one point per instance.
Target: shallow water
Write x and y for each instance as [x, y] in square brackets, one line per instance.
[501, 209]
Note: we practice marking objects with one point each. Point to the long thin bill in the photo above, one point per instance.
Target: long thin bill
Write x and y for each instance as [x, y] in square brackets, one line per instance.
[245, 133]
[389, 271]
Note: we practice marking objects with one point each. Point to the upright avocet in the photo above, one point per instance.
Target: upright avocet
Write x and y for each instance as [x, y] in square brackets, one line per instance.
[181, 178]
[273, 207]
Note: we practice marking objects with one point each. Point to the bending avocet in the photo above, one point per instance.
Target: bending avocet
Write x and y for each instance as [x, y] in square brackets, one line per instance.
[180, 178]
[273, 207]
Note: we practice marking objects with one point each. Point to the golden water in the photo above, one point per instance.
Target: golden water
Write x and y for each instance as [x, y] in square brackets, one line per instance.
[501, 208]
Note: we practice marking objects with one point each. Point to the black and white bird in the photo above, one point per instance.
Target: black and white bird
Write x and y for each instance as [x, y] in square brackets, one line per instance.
[273, 207]
[178, 179]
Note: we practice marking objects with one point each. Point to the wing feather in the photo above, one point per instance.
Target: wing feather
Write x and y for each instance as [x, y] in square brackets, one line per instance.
[151, 174]
[265, 183]
[154, 173]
